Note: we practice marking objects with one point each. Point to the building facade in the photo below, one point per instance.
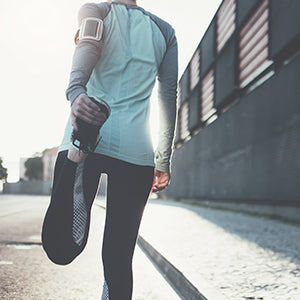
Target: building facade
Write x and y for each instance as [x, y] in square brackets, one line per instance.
[49, 157]
[238, 128]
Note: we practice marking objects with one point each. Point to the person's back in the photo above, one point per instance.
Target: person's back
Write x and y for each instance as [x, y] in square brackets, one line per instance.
[133, 53]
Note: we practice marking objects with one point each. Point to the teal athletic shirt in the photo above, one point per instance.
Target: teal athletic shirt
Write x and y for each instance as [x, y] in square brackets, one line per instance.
[136, 49]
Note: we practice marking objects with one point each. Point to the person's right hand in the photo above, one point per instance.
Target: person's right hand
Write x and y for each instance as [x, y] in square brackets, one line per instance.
[160, 181]
[84, 109]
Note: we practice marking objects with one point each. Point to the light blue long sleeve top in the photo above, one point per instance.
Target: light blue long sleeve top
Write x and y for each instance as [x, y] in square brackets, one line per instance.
[137, 48]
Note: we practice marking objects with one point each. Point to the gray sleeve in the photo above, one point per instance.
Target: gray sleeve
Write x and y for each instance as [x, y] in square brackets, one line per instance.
[167, 95]
[86, 54]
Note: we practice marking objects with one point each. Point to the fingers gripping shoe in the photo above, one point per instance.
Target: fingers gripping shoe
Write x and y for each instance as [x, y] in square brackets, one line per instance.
[86, 139]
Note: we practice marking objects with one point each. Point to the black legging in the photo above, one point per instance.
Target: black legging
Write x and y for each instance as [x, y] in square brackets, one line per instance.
[128, 189]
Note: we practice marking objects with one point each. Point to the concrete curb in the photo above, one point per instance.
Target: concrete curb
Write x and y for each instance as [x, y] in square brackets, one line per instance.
[179, 282]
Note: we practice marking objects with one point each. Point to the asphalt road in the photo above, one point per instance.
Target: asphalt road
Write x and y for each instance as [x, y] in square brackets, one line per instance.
[26, 272]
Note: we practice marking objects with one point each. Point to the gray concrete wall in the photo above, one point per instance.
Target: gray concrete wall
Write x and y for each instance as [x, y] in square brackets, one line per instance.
[251, 152]
[248, 152]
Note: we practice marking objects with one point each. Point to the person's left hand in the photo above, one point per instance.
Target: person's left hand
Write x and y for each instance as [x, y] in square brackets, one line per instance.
[160, 181]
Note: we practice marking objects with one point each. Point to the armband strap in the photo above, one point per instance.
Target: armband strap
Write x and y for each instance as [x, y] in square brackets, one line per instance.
[91, 29]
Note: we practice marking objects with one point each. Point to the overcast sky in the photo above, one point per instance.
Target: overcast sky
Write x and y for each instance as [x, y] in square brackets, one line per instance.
[36, 48]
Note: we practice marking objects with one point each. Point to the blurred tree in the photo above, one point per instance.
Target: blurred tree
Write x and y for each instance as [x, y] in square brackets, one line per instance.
[34, 168]
[3, 171]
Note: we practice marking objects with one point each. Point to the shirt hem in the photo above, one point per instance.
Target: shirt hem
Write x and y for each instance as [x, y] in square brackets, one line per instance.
[119, 156]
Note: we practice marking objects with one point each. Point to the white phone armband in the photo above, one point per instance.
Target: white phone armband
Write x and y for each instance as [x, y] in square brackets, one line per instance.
[91, 29]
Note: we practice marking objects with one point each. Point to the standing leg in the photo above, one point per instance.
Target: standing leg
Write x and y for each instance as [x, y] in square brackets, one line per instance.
[128, 190]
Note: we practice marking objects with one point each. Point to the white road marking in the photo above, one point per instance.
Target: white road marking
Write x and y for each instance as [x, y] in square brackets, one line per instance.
[6, 262]
[21, 247]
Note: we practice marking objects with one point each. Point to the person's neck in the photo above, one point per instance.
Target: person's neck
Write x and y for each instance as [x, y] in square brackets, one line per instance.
[128, 2]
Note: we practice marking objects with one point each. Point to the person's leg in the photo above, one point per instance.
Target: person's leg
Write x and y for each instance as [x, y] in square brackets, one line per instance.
[66, 223]
[128, 190]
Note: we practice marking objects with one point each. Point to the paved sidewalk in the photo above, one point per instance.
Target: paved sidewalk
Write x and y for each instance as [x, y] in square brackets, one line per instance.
[223, 253]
